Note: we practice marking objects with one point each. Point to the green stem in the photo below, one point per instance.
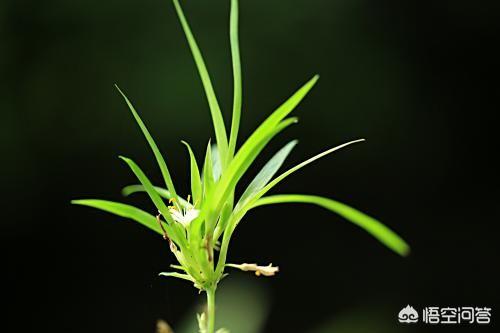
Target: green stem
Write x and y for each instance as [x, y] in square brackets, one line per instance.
[211, 310]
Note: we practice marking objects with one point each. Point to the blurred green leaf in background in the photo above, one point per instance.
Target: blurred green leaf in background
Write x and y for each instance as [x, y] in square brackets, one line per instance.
[243, 306]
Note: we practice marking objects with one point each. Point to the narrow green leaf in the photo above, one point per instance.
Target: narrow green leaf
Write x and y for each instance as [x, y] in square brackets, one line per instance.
[254, 145]
[196, 189]
[236, 61]
[152, 144]
[267, 172]
[218, 121]
[229, 202]
[378, 230]
[208, 174]
[179, 235]
[217, 164]
[278, 179]
[214, 206]
[155, 197]
[131, 189]
[238, 214]
[195, 238]
[164, 193]
[126, 211]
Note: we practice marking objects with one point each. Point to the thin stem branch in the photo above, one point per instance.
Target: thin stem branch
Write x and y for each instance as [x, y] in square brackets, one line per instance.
[211, 310]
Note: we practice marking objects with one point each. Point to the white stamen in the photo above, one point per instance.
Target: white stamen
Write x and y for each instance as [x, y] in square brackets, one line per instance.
[184, 217]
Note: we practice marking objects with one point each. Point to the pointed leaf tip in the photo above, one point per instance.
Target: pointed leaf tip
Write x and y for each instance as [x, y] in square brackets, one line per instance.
[123, 158]
[374, 227]
[314, 80]
[120, 91]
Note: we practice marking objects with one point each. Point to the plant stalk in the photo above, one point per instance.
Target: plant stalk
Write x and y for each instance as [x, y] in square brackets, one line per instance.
[211, 310]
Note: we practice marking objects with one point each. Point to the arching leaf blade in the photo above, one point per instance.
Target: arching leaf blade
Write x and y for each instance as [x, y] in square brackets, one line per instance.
[159, 157]
[217, 119]
[299, 166]
[164, 193]
[374, 227]
[208, 173]
[254, 144]
[196, 188]
[123, 210]
[266, 174]
[214, 207]
[148, 186]
[217, 163]
[237, 80]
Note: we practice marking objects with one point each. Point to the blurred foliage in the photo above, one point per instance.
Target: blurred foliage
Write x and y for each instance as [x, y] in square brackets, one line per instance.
[242, 306]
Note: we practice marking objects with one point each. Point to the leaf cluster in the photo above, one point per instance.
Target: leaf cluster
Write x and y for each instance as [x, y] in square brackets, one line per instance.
[201, 244]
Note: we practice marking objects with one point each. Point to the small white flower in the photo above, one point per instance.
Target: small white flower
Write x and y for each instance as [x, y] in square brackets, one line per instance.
[184, 216]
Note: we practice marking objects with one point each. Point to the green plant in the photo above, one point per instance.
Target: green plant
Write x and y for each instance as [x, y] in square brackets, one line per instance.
[196, 229]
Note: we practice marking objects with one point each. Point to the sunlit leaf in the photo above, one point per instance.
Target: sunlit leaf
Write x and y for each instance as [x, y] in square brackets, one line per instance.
[267, 172]
[196, 189]
[237, 95]
[218, 121]
[217, 164]
[278, 179]
[385, 235]
[123, 210]
[164, 193]
[208, 174]
[214, 206]
[254, 145]
[157, 200]
[154, 147]
[155, 197]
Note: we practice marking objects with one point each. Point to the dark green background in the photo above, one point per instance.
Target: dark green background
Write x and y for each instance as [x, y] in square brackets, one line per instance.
[412, 77]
